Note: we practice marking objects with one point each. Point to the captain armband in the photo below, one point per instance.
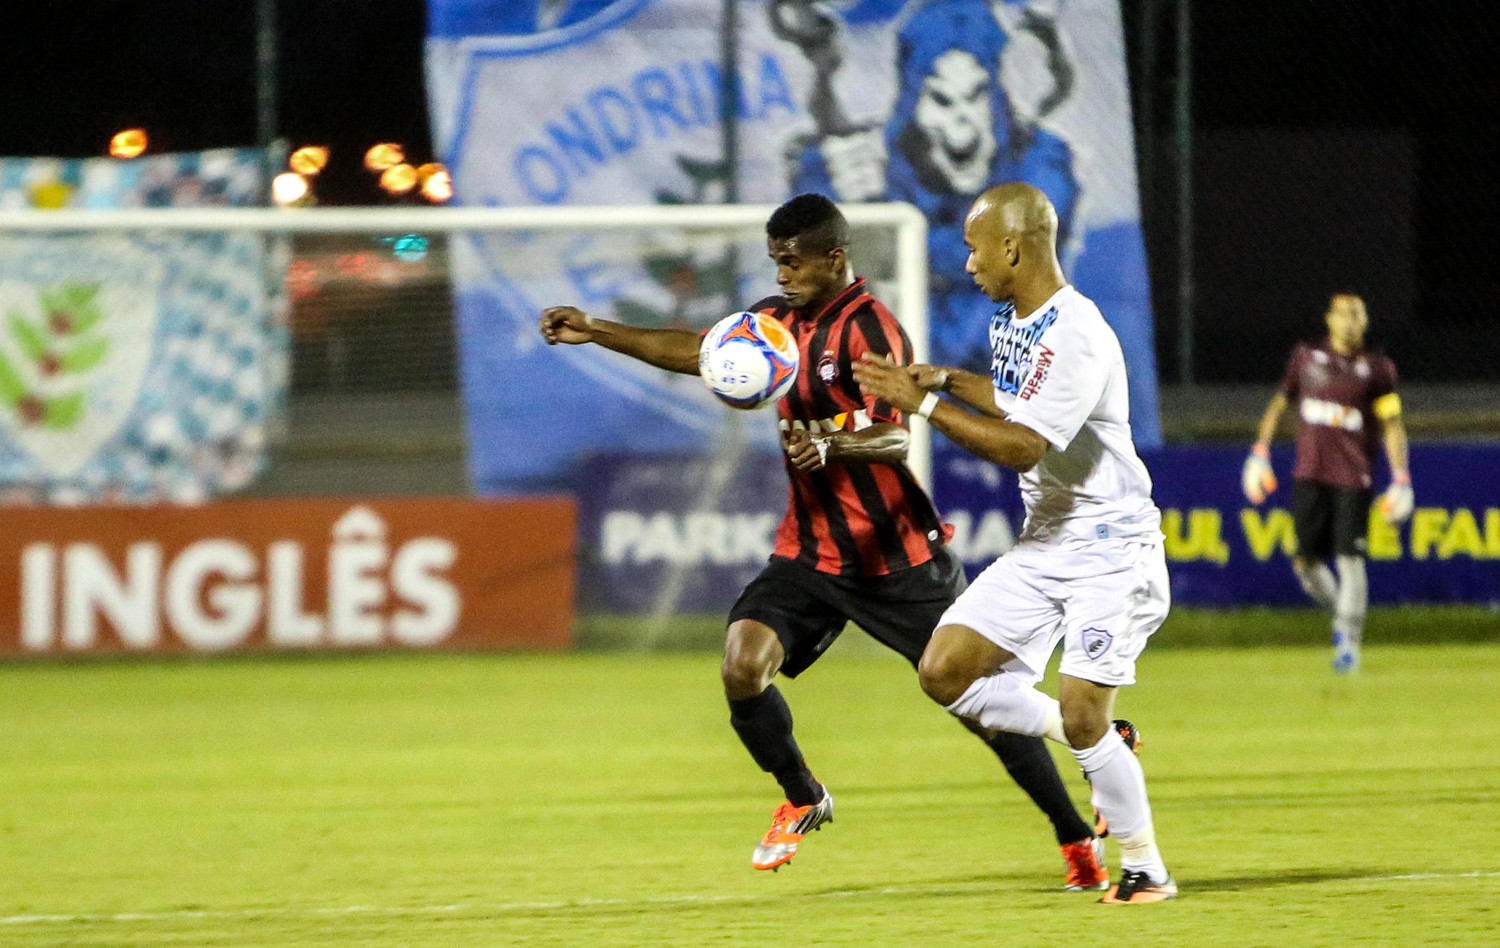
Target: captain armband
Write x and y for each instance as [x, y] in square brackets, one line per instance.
[1387, 406]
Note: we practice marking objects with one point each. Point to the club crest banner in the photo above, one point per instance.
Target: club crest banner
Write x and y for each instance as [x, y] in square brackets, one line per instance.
[137, 367]
[585, 102]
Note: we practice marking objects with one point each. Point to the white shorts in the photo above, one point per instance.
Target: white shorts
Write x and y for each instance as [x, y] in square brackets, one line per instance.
[1102, 599]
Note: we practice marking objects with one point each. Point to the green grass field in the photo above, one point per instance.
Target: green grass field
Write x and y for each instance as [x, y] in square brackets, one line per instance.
[1253, 627]
[603, 800]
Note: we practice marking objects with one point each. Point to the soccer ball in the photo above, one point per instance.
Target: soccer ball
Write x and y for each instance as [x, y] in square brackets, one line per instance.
[749, 360]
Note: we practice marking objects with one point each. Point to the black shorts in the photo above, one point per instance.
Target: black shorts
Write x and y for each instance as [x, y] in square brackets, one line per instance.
[808, 609]
[1330, 521]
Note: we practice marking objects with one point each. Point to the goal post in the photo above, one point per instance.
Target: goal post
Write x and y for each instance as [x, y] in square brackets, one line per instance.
[906, 283]
[416, 368]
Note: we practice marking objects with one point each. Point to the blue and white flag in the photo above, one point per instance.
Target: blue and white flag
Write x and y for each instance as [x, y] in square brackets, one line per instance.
[137, 367]
[581, 102]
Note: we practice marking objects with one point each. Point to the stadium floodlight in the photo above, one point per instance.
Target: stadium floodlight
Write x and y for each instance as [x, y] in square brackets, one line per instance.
[437, 187]
[289, 187]
[130, 143]
[383, 155]
[398, 178]
[309, 159]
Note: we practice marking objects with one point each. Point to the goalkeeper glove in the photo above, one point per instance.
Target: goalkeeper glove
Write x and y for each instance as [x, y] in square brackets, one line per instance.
[1397, 502]
[1257, 479]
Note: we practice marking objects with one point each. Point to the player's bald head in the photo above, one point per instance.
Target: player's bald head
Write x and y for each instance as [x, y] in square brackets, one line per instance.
[1011, 231]
[1014, 209]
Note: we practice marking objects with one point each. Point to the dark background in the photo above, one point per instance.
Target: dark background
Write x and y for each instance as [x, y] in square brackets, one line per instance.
[350, 74]
[1337, 144]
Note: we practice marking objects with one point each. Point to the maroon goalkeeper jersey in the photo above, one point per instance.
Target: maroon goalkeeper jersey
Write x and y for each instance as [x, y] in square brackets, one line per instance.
[858, 519]
[1334, 396]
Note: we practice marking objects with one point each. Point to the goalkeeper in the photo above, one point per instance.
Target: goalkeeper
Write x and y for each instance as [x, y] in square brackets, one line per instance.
[1345, 394]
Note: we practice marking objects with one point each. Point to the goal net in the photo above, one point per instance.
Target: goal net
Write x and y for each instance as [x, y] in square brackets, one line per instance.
[415, 367]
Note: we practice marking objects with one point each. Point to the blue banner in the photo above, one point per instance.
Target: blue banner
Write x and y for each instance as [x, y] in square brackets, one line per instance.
[595, 102]
[1224, 551]
[666, 534]
[678, 534]
[137, 367]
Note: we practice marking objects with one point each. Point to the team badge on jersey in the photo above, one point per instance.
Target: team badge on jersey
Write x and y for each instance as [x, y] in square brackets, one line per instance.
[828, 368]
[1096, 642]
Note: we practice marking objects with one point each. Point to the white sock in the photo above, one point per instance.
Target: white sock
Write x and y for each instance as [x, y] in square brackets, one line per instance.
[1007, 702]
[1352, 603]
[1120, 796]
[1318, 582]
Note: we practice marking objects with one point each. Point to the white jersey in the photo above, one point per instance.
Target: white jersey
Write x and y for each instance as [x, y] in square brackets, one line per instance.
[1060, 372]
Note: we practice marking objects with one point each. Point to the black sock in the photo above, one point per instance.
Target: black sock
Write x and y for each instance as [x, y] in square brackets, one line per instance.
[1031, 767]
[764, 724]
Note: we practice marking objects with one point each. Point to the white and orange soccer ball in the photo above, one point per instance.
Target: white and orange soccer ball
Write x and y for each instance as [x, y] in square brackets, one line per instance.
[749, 360]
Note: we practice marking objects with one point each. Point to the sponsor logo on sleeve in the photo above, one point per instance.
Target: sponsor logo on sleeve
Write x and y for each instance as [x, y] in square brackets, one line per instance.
[1038, 373]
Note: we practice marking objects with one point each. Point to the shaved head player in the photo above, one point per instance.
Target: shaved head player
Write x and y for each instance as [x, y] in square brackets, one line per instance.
[1088, 570]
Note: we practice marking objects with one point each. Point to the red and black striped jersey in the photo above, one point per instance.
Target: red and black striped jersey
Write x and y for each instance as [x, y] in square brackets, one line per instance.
[860, 519]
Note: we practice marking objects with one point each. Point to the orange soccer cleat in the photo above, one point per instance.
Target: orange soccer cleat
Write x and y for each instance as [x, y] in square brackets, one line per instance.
[788, 825]
[1086, 870]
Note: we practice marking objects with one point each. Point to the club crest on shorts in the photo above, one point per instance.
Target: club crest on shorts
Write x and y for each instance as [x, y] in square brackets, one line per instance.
[1096, 642]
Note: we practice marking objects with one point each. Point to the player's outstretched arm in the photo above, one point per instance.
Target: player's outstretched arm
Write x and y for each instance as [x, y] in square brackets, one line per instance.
[671, 349]
[992, 438]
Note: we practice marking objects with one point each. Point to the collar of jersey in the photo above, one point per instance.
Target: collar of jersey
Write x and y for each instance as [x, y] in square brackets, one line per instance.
[1326, 344]
[848, 293]
[1051, 303]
